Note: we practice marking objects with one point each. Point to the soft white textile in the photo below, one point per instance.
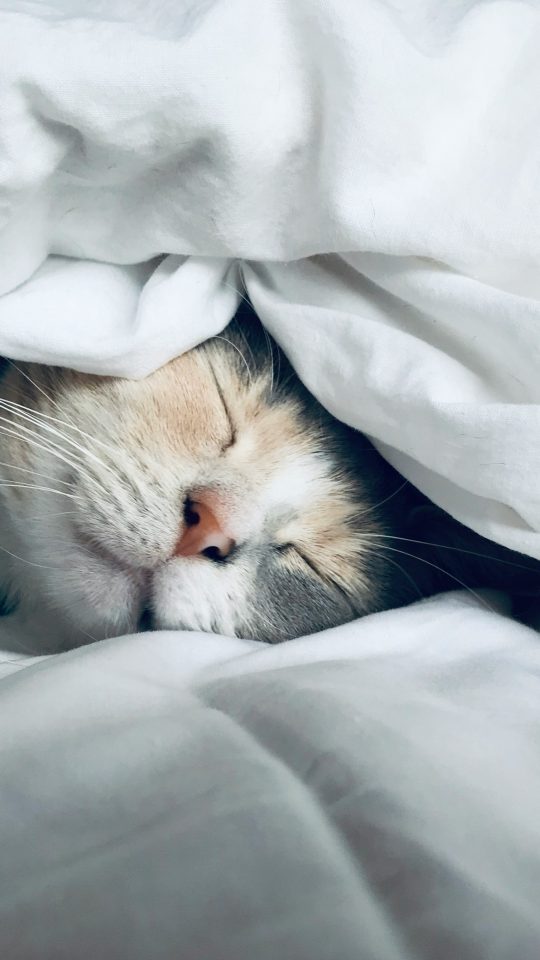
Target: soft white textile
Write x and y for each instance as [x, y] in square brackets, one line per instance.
[402, 137]
[372, 792]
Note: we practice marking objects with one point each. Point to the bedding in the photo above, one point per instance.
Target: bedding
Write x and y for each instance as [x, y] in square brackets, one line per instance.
[393, 144]
[369, 792]
[368, 174]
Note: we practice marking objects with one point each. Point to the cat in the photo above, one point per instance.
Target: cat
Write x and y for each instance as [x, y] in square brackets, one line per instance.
[216, 495]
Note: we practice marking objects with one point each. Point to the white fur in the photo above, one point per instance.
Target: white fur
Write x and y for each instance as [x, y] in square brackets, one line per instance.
[298, 480]
[200, 595]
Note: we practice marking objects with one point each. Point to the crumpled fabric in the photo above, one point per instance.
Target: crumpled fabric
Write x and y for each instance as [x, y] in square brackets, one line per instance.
[371, 791]
[369, 173]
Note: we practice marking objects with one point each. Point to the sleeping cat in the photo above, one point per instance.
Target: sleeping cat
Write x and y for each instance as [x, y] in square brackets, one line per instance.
[214, 495]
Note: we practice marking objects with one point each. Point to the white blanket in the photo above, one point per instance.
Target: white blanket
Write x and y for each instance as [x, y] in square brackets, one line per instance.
[373, 791]
[402, 138]
[370, 793]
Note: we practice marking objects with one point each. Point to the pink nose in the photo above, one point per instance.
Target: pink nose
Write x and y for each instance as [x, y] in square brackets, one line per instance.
[203, 533]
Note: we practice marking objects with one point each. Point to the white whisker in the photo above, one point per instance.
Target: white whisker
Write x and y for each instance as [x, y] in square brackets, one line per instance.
[44, 476]
[30, 563]
[49, 446]
[48, 516]
[34, 419]
[435, 566]
[386, 499]
[446, 546]
[33, 382]
[46, 416]
[270, 346]
[239, 292]
[403, 571]
[233, 345]
[268, 338]
[35, 486]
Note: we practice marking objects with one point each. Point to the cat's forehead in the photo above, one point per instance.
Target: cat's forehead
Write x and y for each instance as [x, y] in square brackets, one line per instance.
[202, 407]
[199, 403]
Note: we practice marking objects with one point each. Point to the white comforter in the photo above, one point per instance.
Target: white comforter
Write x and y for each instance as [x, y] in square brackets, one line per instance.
[371, 792]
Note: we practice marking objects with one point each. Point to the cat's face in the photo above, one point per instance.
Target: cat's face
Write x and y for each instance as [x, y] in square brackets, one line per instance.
[214, 495]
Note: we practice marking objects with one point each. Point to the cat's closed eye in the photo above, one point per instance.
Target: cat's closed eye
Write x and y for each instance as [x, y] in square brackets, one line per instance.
[284, 547]
[293, 551]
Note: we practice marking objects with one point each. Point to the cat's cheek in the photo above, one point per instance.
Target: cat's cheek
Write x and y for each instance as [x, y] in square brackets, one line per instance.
[195, 594]
[98, 600]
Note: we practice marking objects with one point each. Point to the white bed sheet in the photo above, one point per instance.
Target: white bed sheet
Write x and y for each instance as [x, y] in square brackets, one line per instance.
[369, 792]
